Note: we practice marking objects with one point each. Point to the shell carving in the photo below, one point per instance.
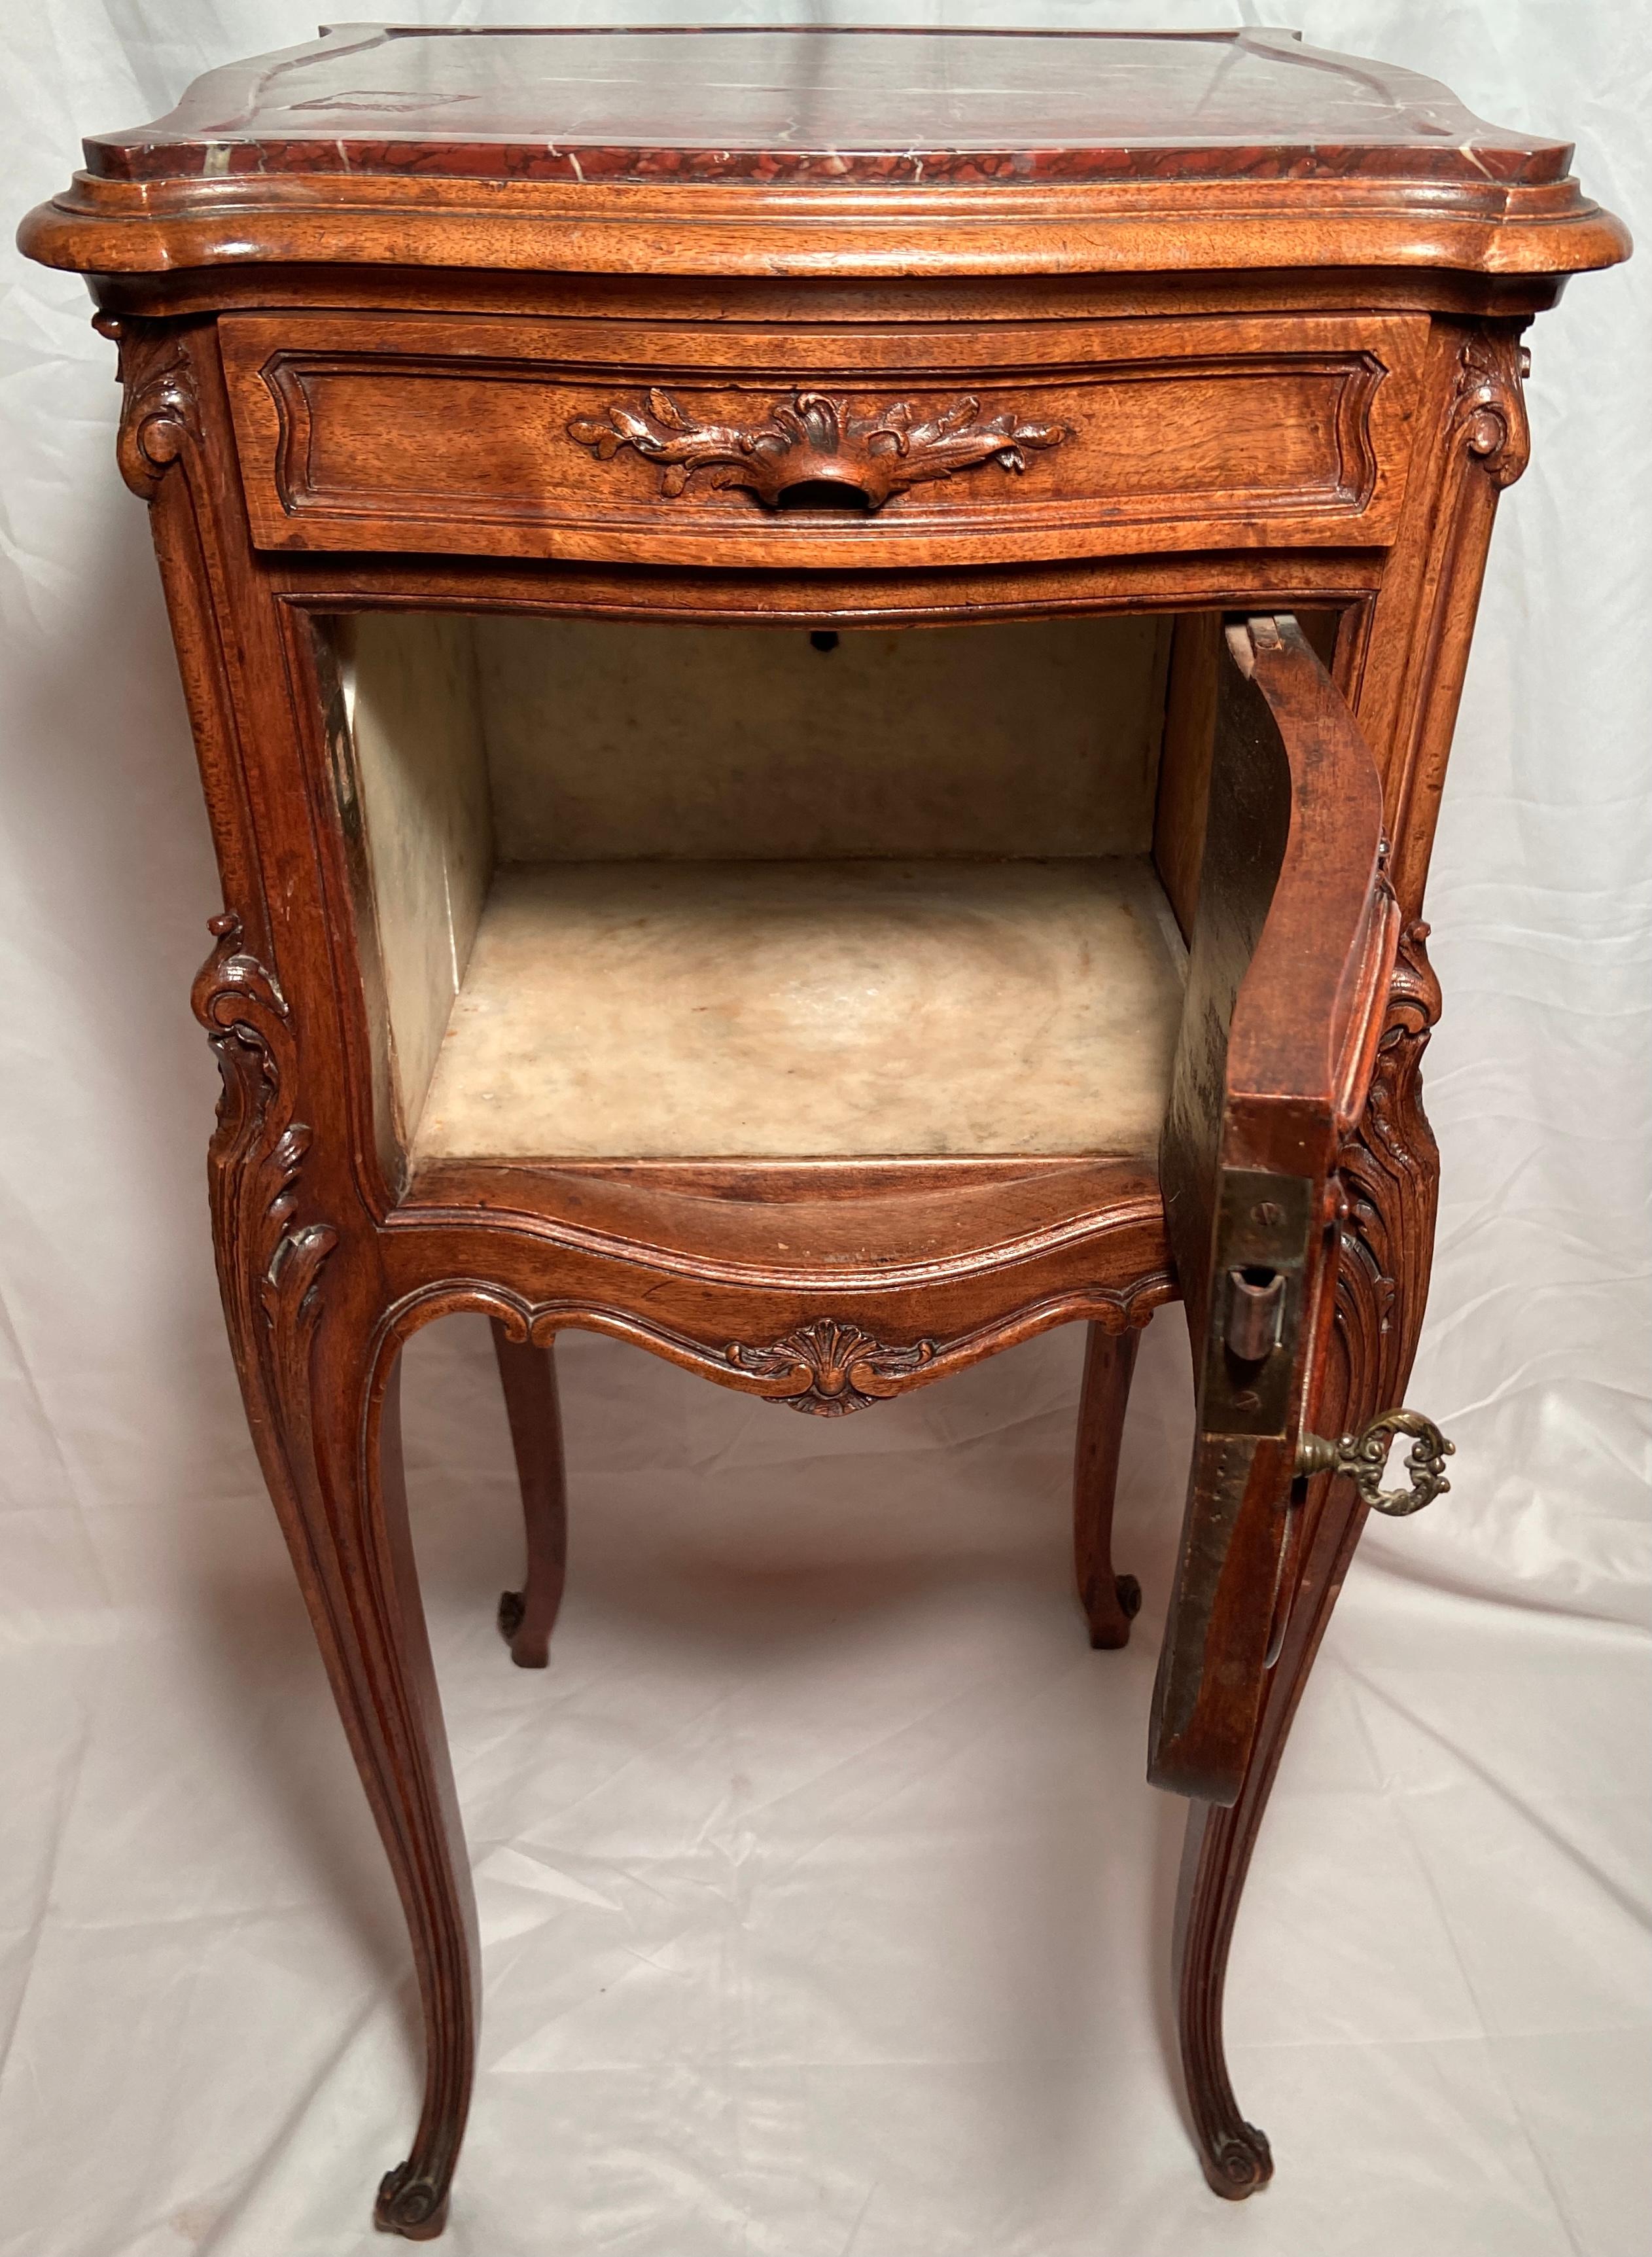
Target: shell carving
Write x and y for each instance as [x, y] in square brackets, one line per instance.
[829, 1367]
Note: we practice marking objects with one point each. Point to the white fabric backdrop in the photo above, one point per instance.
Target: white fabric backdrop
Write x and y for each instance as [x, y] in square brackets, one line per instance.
[826, 1910]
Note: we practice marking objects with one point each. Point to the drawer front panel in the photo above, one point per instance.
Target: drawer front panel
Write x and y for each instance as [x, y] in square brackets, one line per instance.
[628, 442]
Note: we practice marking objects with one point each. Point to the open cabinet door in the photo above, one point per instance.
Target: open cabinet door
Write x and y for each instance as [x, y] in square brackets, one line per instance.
[1292, 948]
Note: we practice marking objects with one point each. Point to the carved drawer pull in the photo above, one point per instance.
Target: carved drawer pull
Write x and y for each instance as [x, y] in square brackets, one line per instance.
[814, 449]
[1364, 1455]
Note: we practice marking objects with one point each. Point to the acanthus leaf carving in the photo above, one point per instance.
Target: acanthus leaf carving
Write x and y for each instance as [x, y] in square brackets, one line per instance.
[1491, 407]
[159, 413]
[814, 438]
[1389, 1172]
[837, 1367]
[268, 1261]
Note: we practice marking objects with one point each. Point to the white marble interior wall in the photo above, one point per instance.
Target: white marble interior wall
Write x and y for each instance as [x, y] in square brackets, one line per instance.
[555, 741]
[608, 741]
[410, 688]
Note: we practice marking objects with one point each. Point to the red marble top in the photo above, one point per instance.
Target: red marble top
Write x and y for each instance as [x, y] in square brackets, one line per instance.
[821, 105]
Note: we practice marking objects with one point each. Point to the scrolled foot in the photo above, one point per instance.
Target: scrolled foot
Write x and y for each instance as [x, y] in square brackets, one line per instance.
[1109, 1601]
[1109, 1611]
[530, 1645]
[410, 2206]
[1241, 2163]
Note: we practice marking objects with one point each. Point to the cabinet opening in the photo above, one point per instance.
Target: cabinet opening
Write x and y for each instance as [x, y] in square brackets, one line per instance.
[648, 892]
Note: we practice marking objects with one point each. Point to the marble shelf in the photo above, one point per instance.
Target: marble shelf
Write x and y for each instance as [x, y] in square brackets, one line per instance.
[811, 1009]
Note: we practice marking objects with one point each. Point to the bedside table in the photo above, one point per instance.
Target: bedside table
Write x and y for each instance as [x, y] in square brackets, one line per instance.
[822, 663]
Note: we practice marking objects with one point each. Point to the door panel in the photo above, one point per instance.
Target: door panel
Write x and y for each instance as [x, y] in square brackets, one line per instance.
[1290, 954]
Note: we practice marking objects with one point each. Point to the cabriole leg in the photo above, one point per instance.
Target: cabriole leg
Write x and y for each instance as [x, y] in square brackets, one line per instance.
[1216, 1858]
[528, 1377]
[303, 1300]
[1110, 1601]
[347, 1522]
[1390, 1172]
[421, 1826]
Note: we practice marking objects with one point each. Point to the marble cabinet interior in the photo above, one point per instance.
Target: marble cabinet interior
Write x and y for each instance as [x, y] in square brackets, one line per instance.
[667, 891]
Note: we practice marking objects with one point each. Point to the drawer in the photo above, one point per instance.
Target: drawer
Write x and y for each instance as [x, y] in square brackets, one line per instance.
[709, 444]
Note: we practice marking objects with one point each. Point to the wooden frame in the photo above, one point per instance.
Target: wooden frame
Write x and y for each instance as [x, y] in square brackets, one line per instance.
[305, 355]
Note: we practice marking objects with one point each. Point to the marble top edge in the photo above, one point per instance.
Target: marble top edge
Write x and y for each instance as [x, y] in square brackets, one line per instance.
[761, 104]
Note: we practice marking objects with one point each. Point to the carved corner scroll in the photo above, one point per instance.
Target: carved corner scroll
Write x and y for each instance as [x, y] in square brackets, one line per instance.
[1484, 444]
[1491, 406]
[831, 1367]
[815, 439]
[268, 1263]
[159, 413]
